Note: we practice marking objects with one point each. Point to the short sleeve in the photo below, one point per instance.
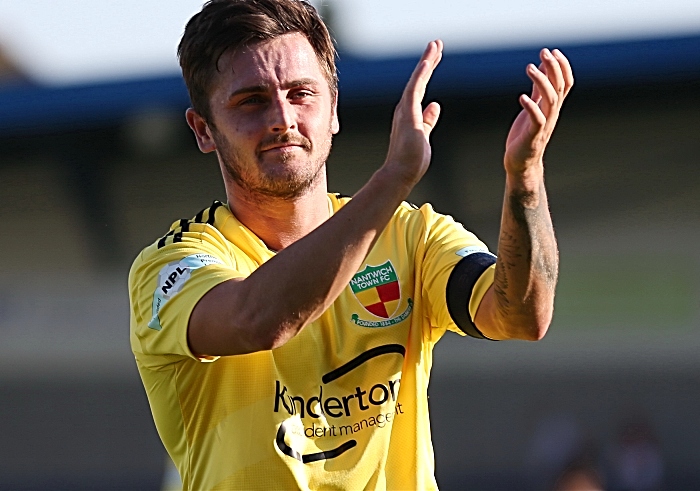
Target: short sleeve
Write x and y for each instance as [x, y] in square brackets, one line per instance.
[165, 284]
[457, 271]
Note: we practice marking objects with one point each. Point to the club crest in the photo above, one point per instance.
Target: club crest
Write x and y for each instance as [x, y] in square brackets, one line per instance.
[377, 289]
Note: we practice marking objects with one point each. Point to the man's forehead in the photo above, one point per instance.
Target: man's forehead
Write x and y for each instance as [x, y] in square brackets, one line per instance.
[282, 59]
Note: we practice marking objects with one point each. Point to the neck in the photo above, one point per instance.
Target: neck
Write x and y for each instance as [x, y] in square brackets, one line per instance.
[279, 222]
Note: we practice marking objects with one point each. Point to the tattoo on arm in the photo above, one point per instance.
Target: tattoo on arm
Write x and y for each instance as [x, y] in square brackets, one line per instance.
[507, 247]
[527, 250]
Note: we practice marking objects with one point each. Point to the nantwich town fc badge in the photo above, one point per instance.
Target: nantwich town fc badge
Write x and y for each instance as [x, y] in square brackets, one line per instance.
[377, 288]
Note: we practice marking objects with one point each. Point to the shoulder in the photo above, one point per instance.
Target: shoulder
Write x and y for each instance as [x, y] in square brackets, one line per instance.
[419, 222]
[169, 277]
[207, 222]
[198, 236]
[411, 221]
[405, 211]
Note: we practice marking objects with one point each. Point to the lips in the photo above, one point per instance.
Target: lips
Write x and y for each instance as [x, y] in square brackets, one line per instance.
[284, 143]
[282, 147]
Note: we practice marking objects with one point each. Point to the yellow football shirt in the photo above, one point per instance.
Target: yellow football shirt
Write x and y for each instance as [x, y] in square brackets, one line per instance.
[343, 405]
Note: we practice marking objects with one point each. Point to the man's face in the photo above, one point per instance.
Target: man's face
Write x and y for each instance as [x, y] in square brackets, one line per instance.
[273, 117]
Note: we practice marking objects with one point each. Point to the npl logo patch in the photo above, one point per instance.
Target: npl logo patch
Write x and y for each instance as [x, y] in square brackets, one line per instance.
[171, 278]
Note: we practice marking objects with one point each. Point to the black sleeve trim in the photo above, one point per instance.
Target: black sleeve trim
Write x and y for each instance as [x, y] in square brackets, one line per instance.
[460, 287]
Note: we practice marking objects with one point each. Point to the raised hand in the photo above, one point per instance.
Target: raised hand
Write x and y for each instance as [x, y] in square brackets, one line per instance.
[533, 127]
[409, 148]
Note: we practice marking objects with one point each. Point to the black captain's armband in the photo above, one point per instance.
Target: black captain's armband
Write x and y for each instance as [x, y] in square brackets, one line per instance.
[460, 287]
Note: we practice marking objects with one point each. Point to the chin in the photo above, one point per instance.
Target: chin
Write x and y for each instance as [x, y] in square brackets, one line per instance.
[290, 184]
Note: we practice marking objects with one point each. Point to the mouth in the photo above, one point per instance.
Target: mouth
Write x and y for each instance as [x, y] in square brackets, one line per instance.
[281, 148]
[285, 144]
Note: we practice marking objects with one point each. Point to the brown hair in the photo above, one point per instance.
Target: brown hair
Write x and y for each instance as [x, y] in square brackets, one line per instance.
[229, 24]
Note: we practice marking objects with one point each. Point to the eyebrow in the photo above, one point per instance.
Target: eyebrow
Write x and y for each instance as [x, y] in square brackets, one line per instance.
[256, 89]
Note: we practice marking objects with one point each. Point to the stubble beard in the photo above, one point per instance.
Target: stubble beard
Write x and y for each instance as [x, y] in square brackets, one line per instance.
[279, 181]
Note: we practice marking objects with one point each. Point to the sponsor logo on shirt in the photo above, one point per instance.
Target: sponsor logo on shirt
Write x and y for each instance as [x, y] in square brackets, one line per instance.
[378, 400]
[172, 278]
[378, 290]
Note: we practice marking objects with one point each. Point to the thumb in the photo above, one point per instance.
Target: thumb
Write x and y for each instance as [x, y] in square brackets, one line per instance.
[430, 117]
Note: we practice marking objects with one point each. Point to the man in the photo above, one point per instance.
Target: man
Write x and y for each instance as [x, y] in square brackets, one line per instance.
[285, 338]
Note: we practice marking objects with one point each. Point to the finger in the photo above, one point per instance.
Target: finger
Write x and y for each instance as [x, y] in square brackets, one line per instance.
[415, 88]
[415, 91]
[535, 96]
[439, 44]
[549, 96]
[430, 117]
[533, 110]
[566, 70]
[554, 73]
[429, 59]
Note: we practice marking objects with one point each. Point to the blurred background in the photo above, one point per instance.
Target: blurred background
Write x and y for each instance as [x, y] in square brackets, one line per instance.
[96, 161]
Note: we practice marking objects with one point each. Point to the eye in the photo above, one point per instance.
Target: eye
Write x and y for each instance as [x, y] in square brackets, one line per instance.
[251, 100]
[300, 94]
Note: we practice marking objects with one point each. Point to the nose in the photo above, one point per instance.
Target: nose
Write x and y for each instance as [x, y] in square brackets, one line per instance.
[282, 117]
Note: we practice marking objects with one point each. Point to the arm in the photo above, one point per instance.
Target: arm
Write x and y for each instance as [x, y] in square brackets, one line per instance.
[520, 302]
[268, 308]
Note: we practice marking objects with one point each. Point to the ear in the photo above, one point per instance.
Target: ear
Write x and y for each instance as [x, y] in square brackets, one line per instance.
[201, 131]
[335, 121]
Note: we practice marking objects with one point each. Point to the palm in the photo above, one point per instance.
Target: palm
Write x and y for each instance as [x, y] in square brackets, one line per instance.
[520, 148]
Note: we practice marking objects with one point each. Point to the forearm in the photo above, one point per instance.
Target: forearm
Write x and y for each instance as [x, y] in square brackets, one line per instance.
[268, 308]
[527, 265]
